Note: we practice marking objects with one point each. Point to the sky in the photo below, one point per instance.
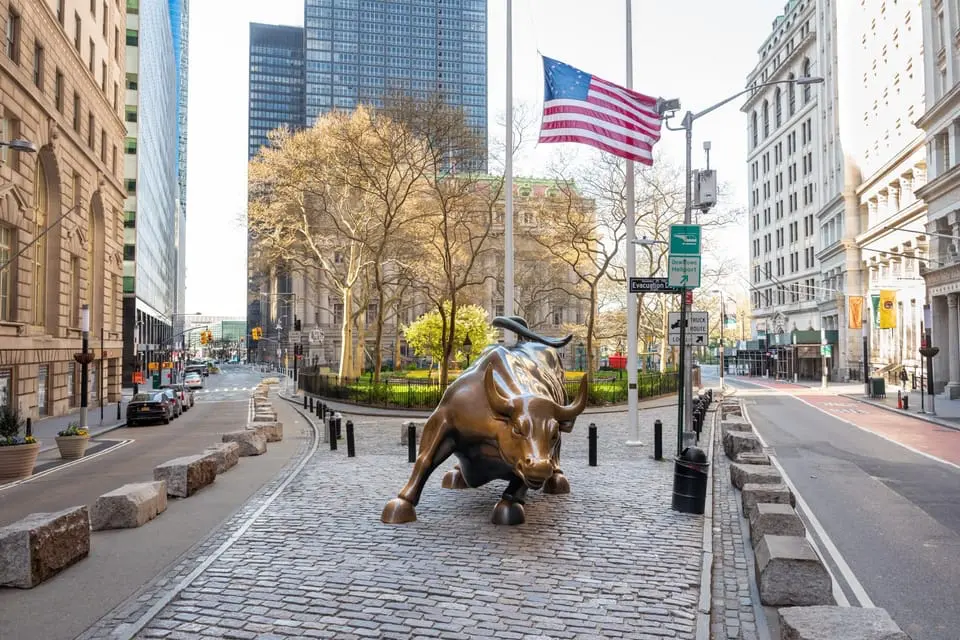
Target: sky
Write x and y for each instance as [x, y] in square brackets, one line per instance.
[699, 51]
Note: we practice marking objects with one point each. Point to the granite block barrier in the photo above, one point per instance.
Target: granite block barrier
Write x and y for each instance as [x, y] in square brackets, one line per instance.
[187, 475]
[129, 506]
[250, 441]
[42, 545]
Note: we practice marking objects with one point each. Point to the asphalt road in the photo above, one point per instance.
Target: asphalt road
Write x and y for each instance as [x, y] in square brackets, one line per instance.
[894, 515]
[121, 561]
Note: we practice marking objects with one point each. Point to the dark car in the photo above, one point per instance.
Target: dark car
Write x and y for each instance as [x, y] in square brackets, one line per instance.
[184, 392]
[175, 401]
[149, 407]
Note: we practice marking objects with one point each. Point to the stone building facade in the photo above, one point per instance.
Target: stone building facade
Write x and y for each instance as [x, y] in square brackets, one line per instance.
[61, 209]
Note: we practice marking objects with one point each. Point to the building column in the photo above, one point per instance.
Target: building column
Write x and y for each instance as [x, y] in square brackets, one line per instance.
[952, 389]
[939, 336]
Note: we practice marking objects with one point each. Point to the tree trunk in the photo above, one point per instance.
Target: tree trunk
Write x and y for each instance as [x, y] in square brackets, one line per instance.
[378, 334]
[591, 320]
[359, 358]
[346, 336]
[447, 338]
[396, 344]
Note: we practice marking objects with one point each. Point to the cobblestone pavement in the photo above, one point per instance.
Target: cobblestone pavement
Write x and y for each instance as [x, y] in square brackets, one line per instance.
[733, 614]
[611, 559]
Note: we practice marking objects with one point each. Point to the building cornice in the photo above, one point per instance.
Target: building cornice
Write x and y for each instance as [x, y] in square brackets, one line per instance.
[904, 154]
[798, 23]
[915, 211]
[828, 206]
[940, 185]
[940, 108]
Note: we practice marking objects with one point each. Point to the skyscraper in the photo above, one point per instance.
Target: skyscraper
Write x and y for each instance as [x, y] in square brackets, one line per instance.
[276, 81]
[180, 30]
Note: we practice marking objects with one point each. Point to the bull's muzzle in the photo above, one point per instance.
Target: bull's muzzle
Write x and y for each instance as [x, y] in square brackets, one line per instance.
[535, 472]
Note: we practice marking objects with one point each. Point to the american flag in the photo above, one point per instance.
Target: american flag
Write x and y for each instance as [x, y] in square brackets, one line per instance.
[579, 107]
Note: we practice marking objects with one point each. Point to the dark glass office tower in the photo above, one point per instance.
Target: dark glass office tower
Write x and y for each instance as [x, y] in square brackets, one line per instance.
[276, 81]
[358, 51]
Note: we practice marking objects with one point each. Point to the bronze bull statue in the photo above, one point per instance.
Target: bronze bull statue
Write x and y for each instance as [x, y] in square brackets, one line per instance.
[502, 419]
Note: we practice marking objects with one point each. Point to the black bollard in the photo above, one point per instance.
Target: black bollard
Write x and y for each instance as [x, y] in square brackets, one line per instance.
[332, 428]
[657, 440]
[339, 432]
[411, 443]
[318, 410]
[29, 431]
[351, 448]
[304, 401]
[119, 410]
[323, 410]
[311, 404]
[592, 437]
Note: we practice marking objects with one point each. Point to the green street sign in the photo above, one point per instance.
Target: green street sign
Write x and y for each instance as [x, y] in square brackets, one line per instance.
[826, 350]
[685, 239]
[684, 272]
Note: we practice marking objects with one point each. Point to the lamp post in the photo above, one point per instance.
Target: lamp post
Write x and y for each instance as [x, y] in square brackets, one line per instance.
[467, 345]
[723, 321]
[84, 358]
[667, 109]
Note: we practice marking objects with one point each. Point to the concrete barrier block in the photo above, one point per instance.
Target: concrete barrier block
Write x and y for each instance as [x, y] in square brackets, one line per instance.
[776, 520]
[225, 454]
[734, 424]
[129, 506]
[832, 623]
[187, 475]
[251, 442]
[752, 457]
[42, 545]
[789, 573]
[271, 431]
[735, 442]
[741, 474]
[753, 494]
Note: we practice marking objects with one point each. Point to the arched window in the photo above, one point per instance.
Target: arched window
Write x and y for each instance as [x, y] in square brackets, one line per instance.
[777, 108]
[41, 215]
[766, 119]
[792, 91]
[754, 131]
[806, 74]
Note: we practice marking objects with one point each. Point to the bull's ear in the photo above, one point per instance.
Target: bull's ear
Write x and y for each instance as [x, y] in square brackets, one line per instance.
[566, 426]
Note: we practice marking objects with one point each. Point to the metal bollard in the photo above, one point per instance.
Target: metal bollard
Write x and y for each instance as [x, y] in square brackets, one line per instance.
[339, 432]
[657, 440]
[351, 448]
[411, 443]
[311, 404]
[323, 410]
[29, 431]
[304, 401]
[119, 410]
[318, 410]
[592, 437]
[332, 428]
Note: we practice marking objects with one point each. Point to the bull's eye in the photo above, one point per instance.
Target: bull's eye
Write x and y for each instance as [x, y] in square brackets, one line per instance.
[517, 431]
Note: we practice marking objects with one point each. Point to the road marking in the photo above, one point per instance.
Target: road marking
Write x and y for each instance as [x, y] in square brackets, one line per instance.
[61, 467]
[830, 547]
[888, 439]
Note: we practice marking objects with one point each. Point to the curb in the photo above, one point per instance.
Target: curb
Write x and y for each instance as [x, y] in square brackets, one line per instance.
[706, 567]
[901, 412]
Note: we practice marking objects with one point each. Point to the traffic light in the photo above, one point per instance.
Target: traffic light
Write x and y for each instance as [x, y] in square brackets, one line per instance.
[257, 333]
[203, 337]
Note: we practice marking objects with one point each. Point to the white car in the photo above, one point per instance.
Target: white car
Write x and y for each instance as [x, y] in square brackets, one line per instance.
[193, 380]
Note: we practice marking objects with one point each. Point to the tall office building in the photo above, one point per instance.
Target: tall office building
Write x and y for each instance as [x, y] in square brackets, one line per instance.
[360, 52]
[276, 82]
[150, 233]
[180, 29]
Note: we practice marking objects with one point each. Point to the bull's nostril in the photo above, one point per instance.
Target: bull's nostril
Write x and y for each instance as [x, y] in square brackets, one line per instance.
[528, 461]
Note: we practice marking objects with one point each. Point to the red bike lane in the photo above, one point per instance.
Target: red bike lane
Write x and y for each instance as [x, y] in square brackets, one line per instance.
[923, 437]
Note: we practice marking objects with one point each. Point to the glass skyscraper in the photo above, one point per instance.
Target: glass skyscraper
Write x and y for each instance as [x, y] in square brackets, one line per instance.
[359, 51]
[180, 30]
[276, 81]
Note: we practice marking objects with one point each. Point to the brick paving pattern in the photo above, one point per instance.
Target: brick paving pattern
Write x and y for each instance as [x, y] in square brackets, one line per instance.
[611, 559]
[732, 613]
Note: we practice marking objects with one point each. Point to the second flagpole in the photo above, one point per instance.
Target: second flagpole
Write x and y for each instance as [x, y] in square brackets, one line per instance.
[633, 409]
[508, 310]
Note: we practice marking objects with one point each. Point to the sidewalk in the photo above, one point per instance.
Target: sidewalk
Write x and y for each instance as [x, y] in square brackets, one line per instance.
[947, 411]
[46, 429]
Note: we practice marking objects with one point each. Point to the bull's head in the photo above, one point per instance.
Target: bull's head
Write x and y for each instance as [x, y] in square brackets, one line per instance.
[534, 426]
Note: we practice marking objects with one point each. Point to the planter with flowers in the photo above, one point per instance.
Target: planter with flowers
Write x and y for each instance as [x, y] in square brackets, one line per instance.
[72, 441]
[18, 453]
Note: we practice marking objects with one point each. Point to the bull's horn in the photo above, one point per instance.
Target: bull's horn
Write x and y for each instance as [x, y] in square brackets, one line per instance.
[511, 324]
[571, 411]
[498, 403]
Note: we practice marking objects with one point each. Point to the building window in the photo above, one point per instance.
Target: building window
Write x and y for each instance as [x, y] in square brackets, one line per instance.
[103, 78]
[113, 161]
[777, 108]
[62, 12]
[72, 384]
[42, 384]
[338, 313]
[58, 90]
[131, 82]
[74, 320]
[133, 7]
[76, 112]
[116, 95]
[131, 186]
[13, 36]
[103, 16]
[40, 213]
[77, 189]
[93, 55]
[130, 145]
[557, 316]
[130, 114]
[806, 74]
[91, 129]
[78, 31]
[117, 307]
[116, 43]
[766, 119]
[791, 97]
[371, 314]
[132, 37]
[38, 65]
[754, 131]
[6, 290]
[103, 145]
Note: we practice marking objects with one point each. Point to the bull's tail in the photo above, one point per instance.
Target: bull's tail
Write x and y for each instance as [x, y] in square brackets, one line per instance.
[519, 326]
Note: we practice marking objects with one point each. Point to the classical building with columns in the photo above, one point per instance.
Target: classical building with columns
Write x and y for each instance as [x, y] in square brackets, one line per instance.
[941, 126]
[61, 208]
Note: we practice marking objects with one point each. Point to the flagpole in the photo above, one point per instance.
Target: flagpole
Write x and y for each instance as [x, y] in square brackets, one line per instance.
[633, 409]
[508, 169]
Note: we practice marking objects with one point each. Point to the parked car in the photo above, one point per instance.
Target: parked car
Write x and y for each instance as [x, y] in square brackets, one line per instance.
[149, 407]
[175, 400]
[185, 393]
[197, 368]
[193, 380]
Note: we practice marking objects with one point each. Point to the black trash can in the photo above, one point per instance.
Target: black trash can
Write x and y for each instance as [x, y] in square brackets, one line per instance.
[690, 481]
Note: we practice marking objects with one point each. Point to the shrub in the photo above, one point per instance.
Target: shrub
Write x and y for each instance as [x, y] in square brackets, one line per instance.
[10, 426]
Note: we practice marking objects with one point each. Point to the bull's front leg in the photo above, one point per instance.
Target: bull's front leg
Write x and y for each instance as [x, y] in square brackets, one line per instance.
[435, 447]
[557, 483]
[509, 510]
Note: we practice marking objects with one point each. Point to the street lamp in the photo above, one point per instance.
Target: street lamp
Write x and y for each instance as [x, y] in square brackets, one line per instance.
[723, 321]
[467, 345]
[667, 110]
[84, 358]
[20, 145]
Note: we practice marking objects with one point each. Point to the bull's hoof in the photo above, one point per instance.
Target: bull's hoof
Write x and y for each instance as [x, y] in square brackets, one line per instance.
[398, 511]
[453, 479]
[557, 483]
[508, 513]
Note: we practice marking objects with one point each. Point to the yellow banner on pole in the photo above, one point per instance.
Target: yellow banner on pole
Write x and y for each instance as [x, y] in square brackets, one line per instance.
[855, 312]
[888, 309]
